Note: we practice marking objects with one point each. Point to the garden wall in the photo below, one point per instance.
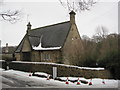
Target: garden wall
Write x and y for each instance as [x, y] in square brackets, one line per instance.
[62, 70]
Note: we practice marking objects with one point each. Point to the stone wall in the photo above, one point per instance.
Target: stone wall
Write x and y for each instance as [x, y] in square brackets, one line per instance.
[62, 70]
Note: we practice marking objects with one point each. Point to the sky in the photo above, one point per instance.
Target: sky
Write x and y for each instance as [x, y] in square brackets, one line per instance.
[45, 12]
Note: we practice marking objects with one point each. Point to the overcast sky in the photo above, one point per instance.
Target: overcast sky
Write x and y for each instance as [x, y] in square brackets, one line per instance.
[44, 12]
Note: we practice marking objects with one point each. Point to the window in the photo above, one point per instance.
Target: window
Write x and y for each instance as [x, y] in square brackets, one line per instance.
[26, 56]
[45, 56]
[41, 56]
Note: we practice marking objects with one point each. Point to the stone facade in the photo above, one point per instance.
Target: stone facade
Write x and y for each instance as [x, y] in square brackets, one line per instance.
[46, 56]
[39, 56]
[27, 54]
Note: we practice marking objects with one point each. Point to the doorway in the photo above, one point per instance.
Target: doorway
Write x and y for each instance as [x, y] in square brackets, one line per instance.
[26, 56]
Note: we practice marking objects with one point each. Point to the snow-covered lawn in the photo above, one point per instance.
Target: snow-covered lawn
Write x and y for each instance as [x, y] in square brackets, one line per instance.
[34, 81]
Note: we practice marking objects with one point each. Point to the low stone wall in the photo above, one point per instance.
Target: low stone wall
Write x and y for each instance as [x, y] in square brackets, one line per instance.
[61, 70]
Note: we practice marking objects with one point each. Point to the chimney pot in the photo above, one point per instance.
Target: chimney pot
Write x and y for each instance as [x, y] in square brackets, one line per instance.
[72, 17]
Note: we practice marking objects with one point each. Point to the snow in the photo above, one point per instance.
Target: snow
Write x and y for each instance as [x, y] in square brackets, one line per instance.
[51, 48]
[39, 47]
[35, 81]
[73, 78]
[41, 73]
[1, 69]
[2, 60]
[88, 68]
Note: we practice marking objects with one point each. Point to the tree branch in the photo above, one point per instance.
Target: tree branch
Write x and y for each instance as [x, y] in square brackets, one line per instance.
[80, 5]
[11, 16]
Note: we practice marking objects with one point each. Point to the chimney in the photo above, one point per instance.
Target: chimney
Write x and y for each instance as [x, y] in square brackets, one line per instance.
[72, 17]
[6, 48]
[28, 26]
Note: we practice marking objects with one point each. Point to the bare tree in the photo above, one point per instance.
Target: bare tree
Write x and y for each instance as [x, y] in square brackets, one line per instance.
[77, 5]
[101, 31]
[9, 15]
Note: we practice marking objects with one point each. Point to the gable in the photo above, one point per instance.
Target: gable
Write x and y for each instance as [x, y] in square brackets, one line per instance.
[26, 46]
[73, 39]
[19, 47]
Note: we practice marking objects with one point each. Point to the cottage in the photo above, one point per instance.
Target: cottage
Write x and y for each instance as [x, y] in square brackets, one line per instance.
[59, 43]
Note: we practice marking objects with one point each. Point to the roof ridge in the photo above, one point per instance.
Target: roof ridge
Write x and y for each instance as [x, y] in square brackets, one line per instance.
[49, 25]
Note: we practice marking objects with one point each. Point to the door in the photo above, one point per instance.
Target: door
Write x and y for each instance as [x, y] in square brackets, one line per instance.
[26, 56]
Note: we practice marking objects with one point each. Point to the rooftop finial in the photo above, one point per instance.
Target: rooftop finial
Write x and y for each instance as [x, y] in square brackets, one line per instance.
[29, 26]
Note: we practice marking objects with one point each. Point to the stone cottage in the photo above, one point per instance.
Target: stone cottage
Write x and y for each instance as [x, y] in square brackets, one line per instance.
[59, 43]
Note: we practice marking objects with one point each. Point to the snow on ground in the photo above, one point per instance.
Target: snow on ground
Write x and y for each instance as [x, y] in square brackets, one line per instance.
[34, 81]
[41, 73]
[2, 60]
[97, 82]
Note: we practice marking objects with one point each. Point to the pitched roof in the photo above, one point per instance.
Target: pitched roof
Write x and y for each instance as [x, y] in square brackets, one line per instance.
[49, 36]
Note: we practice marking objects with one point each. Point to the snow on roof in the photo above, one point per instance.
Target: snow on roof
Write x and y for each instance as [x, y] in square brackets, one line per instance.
[51, 48]
[87, 68]
[39, 47]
